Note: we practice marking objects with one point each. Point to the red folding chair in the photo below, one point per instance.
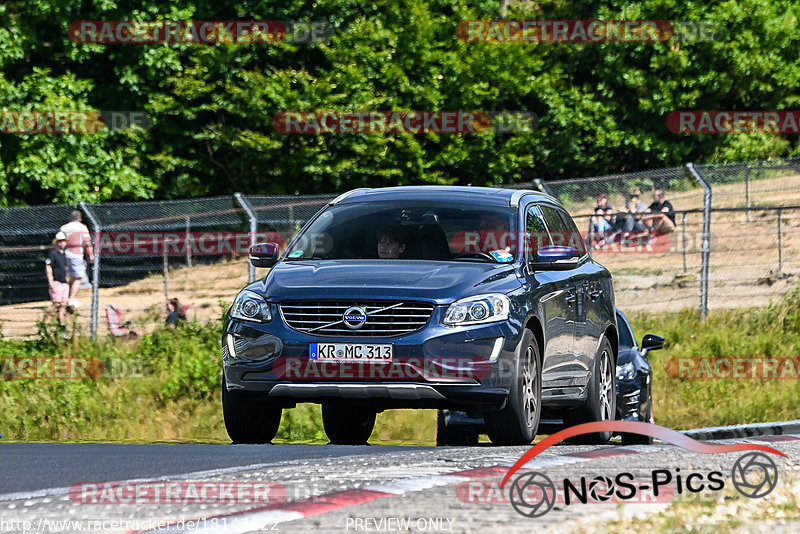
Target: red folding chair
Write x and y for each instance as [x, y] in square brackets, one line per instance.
[115, 324]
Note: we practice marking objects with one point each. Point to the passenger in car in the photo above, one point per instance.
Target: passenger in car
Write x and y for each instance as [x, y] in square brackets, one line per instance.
[392, 241]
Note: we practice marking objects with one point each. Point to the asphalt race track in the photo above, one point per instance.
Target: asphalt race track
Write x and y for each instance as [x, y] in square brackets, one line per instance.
[53, 465]
[325, 488]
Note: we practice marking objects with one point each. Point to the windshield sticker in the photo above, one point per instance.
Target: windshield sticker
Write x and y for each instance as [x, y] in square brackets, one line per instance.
[296, 254]
[502, 256]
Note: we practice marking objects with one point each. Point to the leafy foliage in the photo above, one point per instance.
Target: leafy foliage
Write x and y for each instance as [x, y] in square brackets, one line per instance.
[602, 106]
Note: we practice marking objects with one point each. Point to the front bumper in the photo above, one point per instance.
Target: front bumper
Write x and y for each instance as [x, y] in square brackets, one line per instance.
[632, 399]
[436, 367]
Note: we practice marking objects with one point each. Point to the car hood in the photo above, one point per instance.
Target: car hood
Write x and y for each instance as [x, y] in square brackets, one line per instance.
[627, 354]
[437, 281]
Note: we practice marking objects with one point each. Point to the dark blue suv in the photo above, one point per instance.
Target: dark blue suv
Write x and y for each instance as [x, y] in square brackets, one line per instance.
[477, 300]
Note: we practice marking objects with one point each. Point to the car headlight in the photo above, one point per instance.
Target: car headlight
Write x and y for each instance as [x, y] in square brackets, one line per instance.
[478, 309]
[250, 306]
[626, 372]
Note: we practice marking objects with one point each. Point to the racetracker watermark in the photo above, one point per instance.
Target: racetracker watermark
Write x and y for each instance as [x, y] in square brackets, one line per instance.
[180, 243]
[394, 122]
[721, 368]
[182, 493]
[583, 31]
[533, 494]
[346, 363]
[198, 32]
[725, 122]
[512, 242]
[69, 368]
[71, 122]
[46, 524]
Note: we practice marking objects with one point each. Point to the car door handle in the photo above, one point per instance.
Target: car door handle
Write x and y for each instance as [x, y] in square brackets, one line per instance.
[571, 297]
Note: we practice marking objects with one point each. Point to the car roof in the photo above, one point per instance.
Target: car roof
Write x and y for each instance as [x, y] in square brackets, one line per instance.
[493, 196]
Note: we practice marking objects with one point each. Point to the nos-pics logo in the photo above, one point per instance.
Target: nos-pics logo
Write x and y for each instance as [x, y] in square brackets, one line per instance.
[533, 494]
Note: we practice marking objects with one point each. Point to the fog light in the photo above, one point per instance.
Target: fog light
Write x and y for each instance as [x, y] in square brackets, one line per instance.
[231, 355]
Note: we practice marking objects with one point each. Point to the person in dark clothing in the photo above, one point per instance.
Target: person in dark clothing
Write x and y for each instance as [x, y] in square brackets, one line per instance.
[659, 217]
[603, 221]
[56, 271]
[392, 241]
[631, 220]
[174, 313]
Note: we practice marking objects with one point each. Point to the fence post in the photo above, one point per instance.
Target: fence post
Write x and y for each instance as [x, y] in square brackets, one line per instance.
[685, 248]
[780, 241]
[251, 271]
[706, 246]
[166, 272]
[95, 268]
[747, 191]
[185, 240]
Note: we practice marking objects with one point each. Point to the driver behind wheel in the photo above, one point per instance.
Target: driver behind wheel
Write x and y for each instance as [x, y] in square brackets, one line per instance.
[392, 241]
[495, 231]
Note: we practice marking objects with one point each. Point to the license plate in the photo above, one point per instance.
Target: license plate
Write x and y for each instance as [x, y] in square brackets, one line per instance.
[351, 352]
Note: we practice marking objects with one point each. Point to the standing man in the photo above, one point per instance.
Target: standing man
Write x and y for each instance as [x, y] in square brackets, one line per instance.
[78, 241]
[56, 270]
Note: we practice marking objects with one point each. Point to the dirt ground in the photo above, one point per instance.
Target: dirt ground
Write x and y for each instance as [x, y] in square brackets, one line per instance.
[744, 268]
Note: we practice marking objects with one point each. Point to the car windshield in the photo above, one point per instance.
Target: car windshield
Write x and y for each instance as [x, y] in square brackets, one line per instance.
[625, 339]
[408, 230]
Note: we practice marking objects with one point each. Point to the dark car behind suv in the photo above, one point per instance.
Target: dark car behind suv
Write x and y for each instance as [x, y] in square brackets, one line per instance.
[465, 298]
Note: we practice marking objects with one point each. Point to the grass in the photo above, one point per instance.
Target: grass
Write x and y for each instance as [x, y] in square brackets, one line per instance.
[176, 395]
[773, 331]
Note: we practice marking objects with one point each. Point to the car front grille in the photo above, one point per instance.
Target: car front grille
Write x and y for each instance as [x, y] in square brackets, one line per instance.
[384, 318]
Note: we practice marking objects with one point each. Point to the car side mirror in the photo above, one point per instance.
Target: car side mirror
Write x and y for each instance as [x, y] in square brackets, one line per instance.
[652, 342]
[264, 254]
[555, 258]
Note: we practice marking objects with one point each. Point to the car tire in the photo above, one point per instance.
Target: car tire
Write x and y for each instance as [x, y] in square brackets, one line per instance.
[448, 436]
[347, 425]
[638, 439]
[601, 398]
[249, 418]
[518, 421]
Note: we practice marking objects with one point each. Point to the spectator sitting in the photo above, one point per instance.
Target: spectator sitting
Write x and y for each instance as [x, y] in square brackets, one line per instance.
[632, 219]
[174, 313]
[392, 241]
[659, 217]
[602, 221]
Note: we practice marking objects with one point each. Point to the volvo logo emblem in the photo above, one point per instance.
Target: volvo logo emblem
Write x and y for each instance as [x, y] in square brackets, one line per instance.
[354, 317]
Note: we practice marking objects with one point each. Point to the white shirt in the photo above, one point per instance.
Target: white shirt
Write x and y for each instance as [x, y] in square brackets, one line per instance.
[77, 237]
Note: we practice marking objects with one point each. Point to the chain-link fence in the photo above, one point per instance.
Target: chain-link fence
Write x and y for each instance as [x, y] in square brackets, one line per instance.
[754, 208]
[648, 274]
[24, 242]
[754, 242]
[196, 250]
[146, 253]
